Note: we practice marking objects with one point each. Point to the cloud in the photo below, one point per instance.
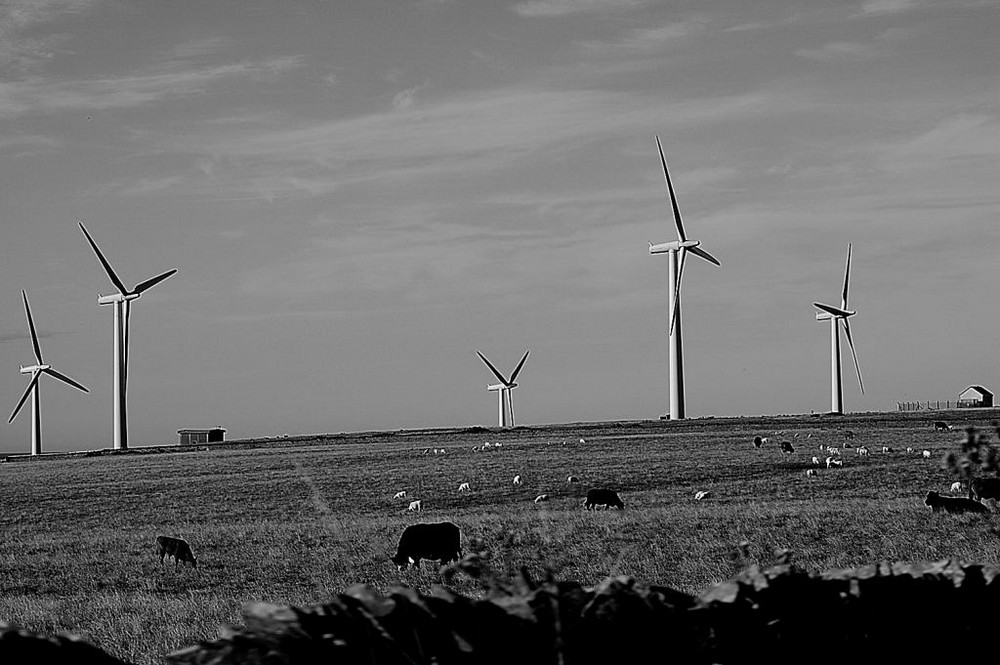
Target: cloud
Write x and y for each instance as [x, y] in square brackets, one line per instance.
[14, 337]
[839, 52]
[879, 7]
[406, 98]
[563, 7]
[20, 51]
[960, 137]
[39, 95]
[650, 40]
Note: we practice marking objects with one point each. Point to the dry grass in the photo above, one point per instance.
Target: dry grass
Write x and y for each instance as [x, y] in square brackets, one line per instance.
[299, 522]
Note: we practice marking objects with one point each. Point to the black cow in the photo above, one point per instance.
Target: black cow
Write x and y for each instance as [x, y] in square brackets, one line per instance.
[941, 426]
[177, 548]
[953, 504]
[603, 497]
[439, 540]
[984, 488]
[786, 447]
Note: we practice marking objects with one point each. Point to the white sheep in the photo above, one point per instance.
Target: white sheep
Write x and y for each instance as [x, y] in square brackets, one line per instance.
[415, 506]
[464, 487]
[701, 494]
[815, 461]
[399, 495]
[811, 473]
[517, 480]
[956, 486]
[927, 454]
[541, 497]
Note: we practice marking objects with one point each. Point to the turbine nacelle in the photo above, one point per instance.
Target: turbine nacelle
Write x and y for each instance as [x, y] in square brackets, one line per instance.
[34, 368]
[672, 246]
[829, 311]
[116, 297]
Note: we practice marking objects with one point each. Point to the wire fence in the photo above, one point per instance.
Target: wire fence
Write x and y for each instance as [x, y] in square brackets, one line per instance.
[934, 405]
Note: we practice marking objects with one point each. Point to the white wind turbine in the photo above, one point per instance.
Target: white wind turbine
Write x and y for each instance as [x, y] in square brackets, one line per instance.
[676, 251]
[36, 372]
[504, 388]
[833, 315]
[121, 303]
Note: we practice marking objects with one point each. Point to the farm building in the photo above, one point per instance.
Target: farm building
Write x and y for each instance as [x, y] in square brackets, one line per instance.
[975, 396]
[190, 437]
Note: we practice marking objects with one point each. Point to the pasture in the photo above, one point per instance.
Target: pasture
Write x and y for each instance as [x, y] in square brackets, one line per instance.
[297, 520]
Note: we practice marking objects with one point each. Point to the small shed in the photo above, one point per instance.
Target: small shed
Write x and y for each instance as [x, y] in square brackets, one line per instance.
[975, 396]
[190, 437]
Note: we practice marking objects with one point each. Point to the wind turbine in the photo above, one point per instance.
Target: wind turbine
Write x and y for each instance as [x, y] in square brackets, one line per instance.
[504, 388]
[833, 315]
[676, 251]
[36, 372]
[121, 303]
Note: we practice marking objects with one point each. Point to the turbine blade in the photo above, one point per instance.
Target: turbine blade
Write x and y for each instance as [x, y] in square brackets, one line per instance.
[31, 329]
[699, 252]
[493, 369]
[65, 379]
[517, 369]
[857, 367]
[27, 391]
[675, 312]
[104, 262]
[847, 278]
[830, 309]
[149, 283]
[673, 197]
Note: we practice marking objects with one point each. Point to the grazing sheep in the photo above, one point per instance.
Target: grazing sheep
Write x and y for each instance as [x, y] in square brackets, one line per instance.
[831, 462]
[833, 450]
[863, 451]
[886, 449]
[177, 548]
[815, 461]
[956, 486]
[953, 504]
[927, 454]
[582, 440]
[464, 487]
[909, 449]
[811, 473]
[487, 445]
[495, 445]
[701, 494]
[541, 497]
[572, 479]
[415, 506]
[786, 447]
[517, 480]
[399, 495]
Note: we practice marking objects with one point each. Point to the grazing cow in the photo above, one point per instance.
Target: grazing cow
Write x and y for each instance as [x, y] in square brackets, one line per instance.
[603, 497]
[953, 504]
[863, 451]
[701, 494]
[177, 548]
[927, 454]
[786, 447]
[811, 473]
[758, 442]
[438, 540]
[541, 497]
[415, 506]
[815, 461]
[941, 426]
[956, 486]
[399, 495]
[464, 487]
[984, 488]
[517, 480]
[572, 479]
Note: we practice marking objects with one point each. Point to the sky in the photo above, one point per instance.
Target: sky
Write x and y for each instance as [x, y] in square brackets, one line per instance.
[358, 195]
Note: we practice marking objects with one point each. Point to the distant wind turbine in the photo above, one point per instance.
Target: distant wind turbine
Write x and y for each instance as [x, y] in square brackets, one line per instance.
[676, 251]
[504, 388]
[833, 315]
[36, 372]
[121, 302]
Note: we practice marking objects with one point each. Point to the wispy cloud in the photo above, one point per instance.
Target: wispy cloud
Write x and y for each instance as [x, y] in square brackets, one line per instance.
[40, 95]
[564, 7]
[839, 52]
[406, 98]
[876, 7]
[650, 40]
[956, 138]
[17, 17]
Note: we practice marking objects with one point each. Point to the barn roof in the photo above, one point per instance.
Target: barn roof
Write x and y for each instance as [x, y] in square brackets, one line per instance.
[979, 389]
[194, 430]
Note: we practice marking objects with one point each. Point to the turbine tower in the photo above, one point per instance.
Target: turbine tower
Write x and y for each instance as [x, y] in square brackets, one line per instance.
[36, 372]
[835, 315]
[504, 388]
[121, 303]
[676, 251]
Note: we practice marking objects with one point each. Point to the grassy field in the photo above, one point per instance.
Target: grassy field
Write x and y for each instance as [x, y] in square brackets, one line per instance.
[298, 520]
